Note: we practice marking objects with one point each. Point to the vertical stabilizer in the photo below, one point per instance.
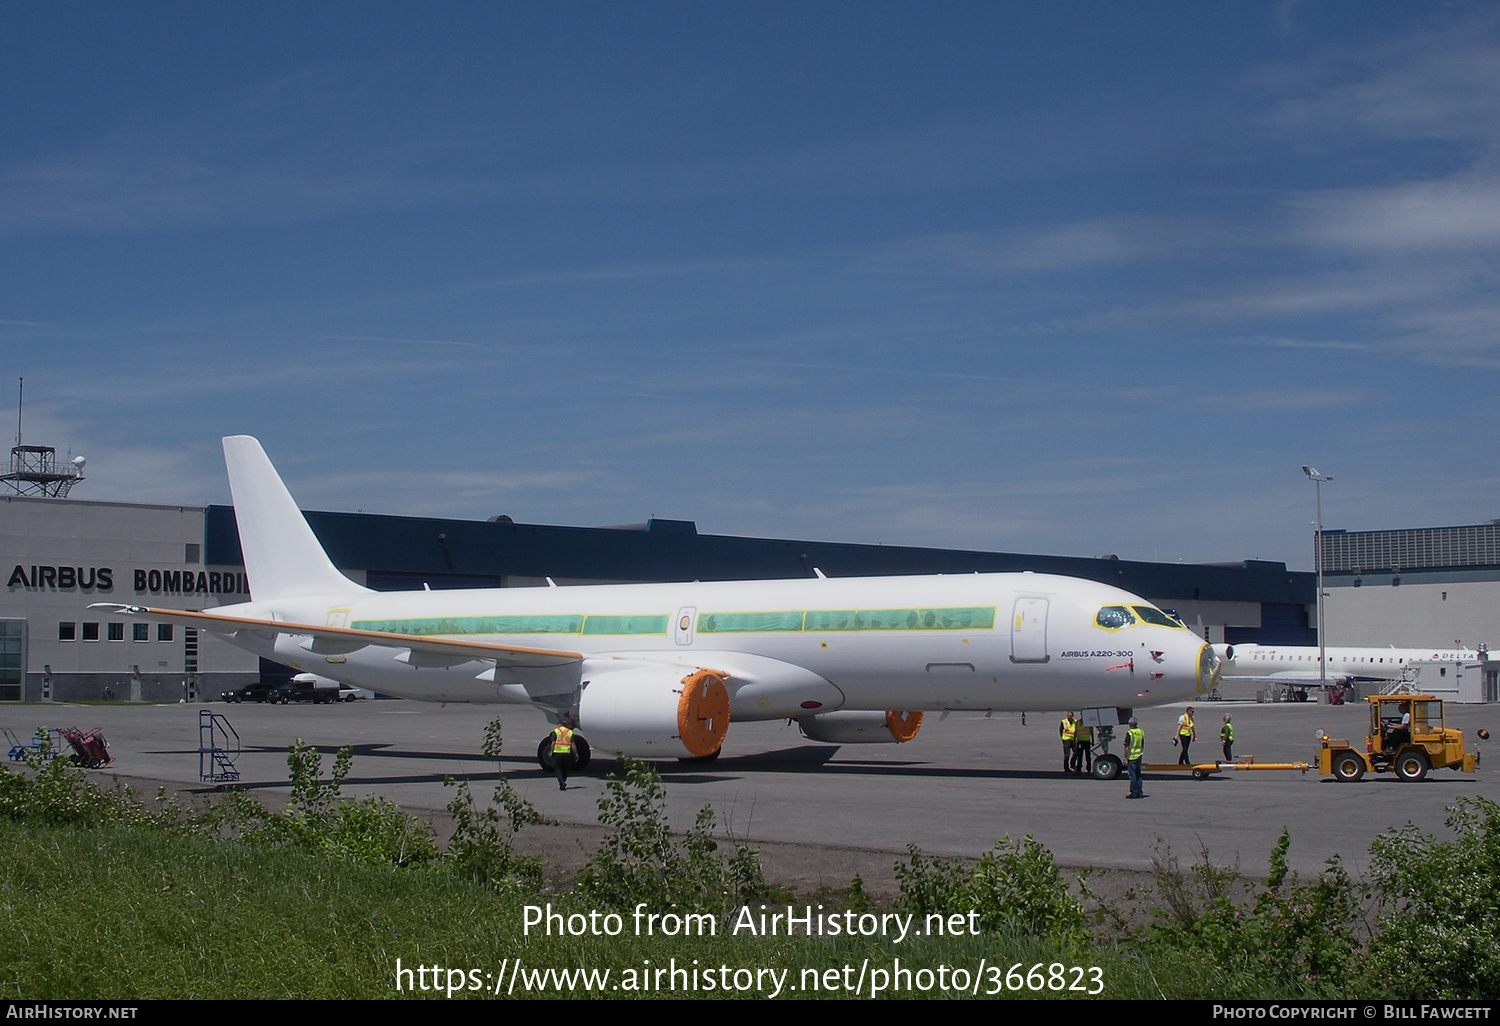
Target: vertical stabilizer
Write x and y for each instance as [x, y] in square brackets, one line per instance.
[282, 555]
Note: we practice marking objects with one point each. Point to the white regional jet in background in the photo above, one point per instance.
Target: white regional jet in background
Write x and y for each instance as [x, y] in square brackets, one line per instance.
[660, 670]
[1296, 666]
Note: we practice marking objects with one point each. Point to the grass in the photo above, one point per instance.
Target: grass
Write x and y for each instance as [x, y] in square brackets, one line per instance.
[106, 896]
[124, 912]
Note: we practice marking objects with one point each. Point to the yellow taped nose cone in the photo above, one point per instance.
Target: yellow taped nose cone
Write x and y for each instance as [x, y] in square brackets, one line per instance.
[1208, 669]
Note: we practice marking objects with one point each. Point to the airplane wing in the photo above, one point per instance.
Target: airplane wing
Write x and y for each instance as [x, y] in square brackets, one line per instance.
[322, 640]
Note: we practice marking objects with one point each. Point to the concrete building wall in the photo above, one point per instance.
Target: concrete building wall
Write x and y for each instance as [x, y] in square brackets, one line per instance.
[58, 556]
[1418, 611]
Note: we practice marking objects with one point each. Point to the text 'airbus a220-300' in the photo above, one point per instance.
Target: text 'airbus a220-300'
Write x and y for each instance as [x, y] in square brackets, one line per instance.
[661, 670]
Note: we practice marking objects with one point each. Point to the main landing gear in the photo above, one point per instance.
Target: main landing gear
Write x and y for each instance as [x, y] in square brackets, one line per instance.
[580, 746]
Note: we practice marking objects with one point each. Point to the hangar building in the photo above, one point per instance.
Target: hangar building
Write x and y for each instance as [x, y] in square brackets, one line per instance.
[1416, 586]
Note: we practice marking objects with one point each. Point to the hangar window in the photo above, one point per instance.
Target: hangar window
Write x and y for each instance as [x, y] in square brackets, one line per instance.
[140, 632]
[67, 631]
[117, 632]
[163, 632]
[90, 631]
[190, 553]
[12, 648]
[1112, 618]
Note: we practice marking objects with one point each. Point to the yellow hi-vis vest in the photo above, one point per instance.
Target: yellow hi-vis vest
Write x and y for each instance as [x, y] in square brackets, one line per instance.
[562, 740]
[1068, 728]
[1185, 726]
[1135, 743]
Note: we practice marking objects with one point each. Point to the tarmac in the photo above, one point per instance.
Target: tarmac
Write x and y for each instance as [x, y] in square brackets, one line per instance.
[821, 812]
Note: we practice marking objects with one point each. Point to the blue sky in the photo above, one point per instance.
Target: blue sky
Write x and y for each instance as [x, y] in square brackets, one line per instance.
[1070, 278]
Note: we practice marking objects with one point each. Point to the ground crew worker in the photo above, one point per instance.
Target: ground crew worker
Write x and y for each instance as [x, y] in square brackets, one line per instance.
[563, 753]
[1068, 730]
[1135, 749]
[1226, 736]
[1186, 735]
[1083, 753]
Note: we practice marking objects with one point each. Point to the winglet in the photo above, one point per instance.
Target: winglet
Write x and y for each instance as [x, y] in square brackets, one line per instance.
[282, 555]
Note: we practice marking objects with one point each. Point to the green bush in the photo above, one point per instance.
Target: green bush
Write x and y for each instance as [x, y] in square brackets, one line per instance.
[57, 792]
[640, 860]
[1439, 928]
[321, 821]
[492, 739]
[483, 844]
[1015, 888]
[1292, 939]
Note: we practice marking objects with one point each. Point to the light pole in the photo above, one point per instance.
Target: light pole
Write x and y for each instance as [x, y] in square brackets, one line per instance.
[1317, 479]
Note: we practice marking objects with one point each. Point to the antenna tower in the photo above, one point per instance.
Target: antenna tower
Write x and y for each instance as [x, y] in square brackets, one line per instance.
[33, 468]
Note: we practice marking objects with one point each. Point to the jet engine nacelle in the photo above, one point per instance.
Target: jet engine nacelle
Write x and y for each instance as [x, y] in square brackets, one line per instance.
[656, 713]
[846, 727]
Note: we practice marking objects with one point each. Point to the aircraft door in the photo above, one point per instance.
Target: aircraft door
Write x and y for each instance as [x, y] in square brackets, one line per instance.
[683, 623]
[1028, 631]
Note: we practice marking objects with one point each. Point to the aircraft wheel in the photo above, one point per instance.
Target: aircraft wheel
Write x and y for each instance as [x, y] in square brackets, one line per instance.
[1348, 767]
[1106, 767]
[583, 753]
[1301, 695]
[1412, 765]
[697, 759]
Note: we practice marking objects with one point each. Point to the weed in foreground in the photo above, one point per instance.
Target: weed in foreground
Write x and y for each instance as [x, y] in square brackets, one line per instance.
[640, 860]
[483, 842]
[1439, 926]
[1015, 888]
[1291, 937]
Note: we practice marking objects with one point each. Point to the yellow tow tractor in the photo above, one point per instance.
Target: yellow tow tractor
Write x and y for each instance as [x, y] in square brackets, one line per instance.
[1407, 737]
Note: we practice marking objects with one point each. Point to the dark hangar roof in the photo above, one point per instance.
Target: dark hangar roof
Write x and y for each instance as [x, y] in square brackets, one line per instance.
[673, 550]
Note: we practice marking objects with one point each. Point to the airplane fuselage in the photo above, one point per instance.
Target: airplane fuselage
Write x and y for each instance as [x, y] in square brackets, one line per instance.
[1300, 662]
[788, 648]
[662, 669]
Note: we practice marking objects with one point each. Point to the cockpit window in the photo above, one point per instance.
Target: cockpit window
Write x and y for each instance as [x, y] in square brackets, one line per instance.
[1112, 618]
[1152, 615]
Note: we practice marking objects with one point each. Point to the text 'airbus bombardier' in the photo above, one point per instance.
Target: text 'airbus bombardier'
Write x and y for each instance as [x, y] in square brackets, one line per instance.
[660, 670]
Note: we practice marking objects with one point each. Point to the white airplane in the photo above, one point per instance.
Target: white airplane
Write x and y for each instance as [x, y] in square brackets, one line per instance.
[1297, 665]
[660, 670]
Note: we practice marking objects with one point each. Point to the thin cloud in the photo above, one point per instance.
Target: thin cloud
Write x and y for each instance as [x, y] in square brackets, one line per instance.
[1440, 82]
[1285, 399]
[1455, 214]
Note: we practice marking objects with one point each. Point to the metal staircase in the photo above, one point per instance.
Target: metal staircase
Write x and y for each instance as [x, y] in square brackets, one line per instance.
[218, 747]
